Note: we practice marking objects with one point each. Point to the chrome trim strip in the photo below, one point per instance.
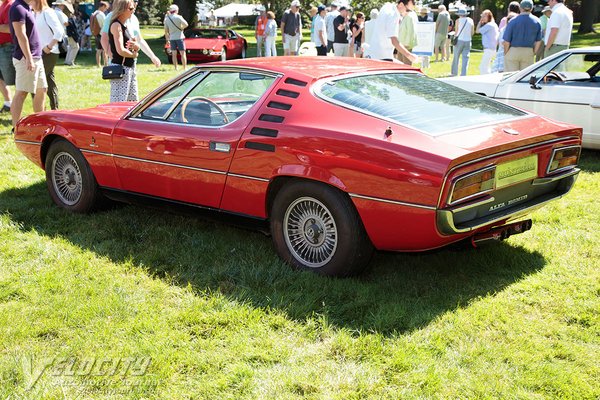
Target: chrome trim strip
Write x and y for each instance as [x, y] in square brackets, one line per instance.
[473, 205]
[400, 203]
[28, 142]
[548, 172]
[543, 181]
[212, 171]
[515, 150]
[254, 178]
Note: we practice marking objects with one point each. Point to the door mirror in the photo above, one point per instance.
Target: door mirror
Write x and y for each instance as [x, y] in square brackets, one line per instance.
[533, 83]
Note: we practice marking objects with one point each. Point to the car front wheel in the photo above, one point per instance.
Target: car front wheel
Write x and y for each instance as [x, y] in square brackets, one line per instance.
[316, 227]
[69, 178]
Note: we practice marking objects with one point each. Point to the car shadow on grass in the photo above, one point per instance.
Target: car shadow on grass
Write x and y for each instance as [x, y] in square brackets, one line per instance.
[398, 294]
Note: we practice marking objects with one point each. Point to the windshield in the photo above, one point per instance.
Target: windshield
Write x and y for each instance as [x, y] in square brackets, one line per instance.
[416, 101]
[207, 34]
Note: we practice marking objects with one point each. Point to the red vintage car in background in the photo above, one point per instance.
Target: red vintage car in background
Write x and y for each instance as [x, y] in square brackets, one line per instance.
[339, 157]
[211, 44]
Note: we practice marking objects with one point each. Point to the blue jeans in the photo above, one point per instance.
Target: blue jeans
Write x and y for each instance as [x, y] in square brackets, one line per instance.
[462, 49]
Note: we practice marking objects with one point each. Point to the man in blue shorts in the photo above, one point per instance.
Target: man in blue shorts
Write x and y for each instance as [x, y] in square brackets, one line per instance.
[174, 26]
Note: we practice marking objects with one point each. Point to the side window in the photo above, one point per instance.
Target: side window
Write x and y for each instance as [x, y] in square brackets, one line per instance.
[160, 108]
[221, 98]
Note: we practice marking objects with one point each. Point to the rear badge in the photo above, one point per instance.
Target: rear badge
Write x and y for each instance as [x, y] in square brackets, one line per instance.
[511, 131]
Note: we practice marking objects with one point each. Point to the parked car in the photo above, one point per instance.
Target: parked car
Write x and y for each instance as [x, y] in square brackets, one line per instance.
[339, 158]
[564, 87]
[211, 44]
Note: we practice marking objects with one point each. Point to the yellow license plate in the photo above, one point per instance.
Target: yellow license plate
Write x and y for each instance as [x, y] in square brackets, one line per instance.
[516, 171]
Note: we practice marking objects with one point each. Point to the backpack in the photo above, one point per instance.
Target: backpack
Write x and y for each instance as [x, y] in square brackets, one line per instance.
[94, 24]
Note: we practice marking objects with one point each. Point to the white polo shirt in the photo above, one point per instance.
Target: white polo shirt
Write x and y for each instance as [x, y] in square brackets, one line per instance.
[383, 29]
[561, 18]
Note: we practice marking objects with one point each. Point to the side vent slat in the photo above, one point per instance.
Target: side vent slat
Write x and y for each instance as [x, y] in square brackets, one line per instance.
[260, 146]
[271, 118]
[264, 132]
[288, 93]
[279, 106]
[292, 81]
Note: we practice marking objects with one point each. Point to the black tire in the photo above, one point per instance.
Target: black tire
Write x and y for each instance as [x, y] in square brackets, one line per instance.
[224, 54]
[315, 227]
[69, 178]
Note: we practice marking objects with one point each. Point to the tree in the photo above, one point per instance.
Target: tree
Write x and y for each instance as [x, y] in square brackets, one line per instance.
[589, 14]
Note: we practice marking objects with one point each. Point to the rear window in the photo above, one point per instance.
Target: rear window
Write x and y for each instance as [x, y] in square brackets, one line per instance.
[416, 101]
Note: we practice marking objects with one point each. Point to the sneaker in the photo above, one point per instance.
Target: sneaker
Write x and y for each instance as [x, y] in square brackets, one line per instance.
[5, 108]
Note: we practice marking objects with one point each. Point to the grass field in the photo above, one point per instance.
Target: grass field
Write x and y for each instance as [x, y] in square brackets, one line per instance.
[137, 303]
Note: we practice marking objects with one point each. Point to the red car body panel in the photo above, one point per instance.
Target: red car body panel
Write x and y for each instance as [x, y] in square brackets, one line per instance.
[397, 182]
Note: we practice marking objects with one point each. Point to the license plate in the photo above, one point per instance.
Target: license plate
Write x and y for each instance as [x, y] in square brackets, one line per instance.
[516, 171]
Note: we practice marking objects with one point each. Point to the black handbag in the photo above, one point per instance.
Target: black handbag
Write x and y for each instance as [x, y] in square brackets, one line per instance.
[113, 71]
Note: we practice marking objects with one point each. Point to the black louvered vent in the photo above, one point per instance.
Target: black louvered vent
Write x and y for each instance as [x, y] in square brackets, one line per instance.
[264, 132]
[279, 106]
[292, 81]
[260, 146]
[288, 93]
[271, 118]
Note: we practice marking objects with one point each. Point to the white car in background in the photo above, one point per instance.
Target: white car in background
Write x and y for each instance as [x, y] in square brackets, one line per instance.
[564, 87]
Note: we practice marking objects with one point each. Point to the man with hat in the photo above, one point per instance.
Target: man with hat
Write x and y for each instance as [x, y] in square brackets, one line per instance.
[546, 12]
[522, 39]
[560, 26]
[340, 28]
[260, 24]
[7, 69]
[321, 31]
[291, 29]
[174, 26]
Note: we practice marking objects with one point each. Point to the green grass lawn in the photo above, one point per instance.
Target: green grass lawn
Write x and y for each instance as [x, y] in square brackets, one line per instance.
[86, 301]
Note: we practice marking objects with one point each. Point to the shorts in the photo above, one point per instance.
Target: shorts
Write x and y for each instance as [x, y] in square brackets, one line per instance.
[440, 41]
[29, 81]
[177, 45]
[7, 69]
[98, 42]
[291, 42]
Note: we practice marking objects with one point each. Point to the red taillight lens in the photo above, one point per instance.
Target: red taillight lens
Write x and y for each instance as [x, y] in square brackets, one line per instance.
[564, 158]
[473, 184]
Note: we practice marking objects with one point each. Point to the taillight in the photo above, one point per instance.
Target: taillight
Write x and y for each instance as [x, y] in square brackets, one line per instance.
[473, 184]
[564, 157]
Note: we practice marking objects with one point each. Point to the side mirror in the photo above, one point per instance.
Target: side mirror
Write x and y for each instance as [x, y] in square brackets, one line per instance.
[533, 83]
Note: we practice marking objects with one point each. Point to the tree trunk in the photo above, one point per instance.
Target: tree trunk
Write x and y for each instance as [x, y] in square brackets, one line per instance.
[589, 12]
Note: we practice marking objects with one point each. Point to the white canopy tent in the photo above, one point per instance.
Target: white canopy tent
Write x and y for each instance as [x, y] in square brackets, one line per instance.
[231, 9]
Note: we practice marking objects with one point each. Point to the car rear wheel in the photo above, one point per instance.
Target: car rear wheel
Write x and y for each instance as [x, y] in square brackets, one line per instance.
[316, 227]
[224, 54]
[69, 178]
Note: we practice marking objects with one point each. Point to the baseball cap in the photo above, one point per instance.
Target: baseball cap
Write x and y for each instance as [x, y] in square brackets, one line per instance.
[173, 8]
[526, 4]
[295, 3]
[547, 8]
[321, 8]
[463, 11]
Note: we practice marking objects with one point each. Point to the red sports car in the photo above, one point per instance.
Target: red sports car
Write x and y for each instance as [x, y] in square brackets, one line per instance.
[211, 44]
[340, 156]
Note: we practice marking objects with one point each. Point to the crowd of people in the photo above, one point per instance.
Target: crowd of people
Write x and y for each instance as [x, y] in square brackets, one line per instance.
[391, 33]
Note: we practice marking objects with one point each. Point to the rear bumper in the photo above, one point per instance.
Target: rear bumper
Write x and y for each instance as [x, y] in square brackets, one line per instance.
[509, 205]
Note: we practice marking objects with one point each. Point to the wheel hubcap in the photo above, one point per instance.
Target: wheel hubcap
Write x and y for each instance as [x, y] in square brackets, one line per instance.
[66, 178]
[310, 232]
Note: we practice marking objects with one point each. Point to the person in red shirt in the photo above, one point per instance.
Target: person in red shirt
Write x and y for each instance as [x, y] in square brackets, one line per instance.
[7, 69]
[259, 26]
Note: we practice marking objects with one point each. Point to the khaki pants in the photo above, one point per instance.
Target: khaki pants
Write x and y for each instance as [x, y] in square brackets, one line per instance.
[518, 58]
[555, 48]
[72, 51]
